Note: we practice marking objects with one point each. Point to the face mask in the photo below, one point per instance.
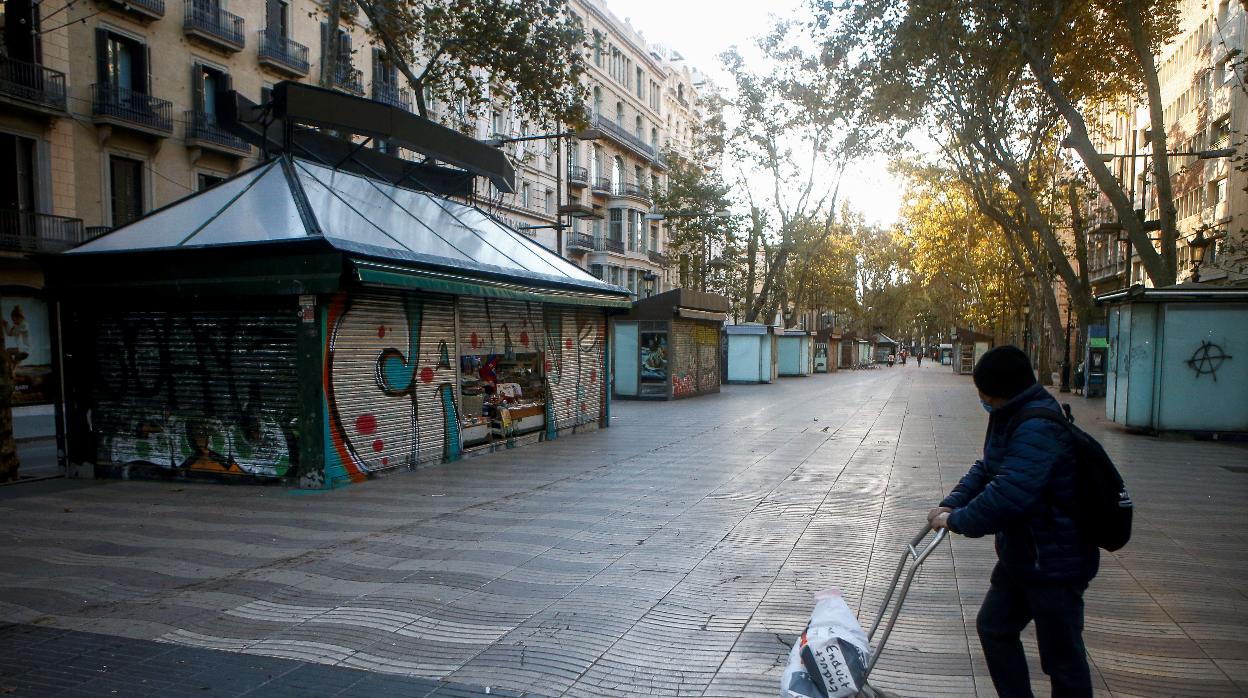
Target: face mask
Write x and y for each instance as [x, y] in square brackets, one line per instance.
[987, 407]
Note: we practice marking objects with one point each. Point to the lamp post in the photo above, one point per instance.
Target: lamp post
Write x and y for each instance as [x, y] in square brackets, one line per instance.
[1066, 356]
[589, 134]
[1198, 245]
[1027, 330]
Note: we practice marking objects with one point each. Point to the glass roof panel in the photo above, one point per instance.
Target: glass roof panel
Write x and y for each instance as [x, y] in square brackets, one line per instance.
[171, 225]
[266, 212]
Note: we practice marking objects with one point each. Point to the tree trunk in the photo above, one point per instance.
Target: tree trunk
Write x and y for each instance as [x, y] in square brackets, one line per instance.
[1078, 137]
[751, 256]
[396, 56]
[1157, 138]
[329, 57]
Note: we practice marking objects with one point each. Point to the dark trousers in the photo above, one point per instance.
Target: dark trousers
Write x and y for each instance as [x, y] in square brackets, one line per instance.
[1057, 610]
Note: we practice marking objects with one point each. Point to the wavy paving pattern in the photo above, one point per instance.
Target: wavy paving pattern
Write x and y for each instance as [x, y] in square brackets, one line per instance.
[674, 554]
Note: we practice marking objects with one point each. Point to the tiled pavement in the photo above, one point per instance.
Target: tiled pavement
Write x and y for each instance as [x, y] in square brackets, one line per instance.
[673, 554]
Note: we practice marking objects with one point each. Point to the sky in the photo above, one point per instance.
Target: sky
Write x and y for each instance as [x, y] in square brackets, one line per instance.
[701, 29]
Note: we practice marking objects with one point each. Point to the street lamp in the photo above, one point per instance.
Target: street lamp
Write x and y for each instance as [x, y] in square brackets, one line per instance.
[589, 134]
[1198, 245]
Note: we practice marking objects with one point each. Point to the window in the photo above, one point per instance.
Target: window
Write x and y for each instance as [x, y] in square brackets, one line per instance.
[597, 101]
[637, 127]
[632, 231]
[344, 68]
[655, 94]
[125, 179]
[206, 82]
[596, 231]
[617, 170]
[524, 195]
[596, 270]
[619, 114]
[204, 180]
[550, 201]
[121, 63]
[496, 122]
[654, 138]
[1220, 135]
[595, 165]
[1217, 192]
[615, 275]
[598, 42]
[641, 84]
[654, 238]
[277, 18]
[616, 223]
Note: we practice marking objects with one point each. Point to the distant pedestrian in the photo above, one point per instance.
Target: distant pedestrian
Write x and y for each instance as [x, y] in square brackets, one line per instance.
[1023, 491]
[919, 358]
[892, 359]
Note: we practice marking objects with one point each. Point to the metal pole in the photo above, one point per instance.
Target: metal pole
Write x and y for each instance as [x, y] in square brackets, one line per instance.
[1066, 356]
[558, 195]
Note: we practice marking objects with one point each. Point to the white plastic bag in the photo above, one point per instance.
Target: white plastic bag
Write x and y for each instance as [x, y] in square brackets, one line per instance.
[830, 659]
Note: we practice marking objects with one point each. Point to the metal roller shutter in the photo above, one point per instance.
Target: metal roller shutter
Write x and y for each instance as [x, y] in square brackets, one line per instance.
[390, 377]
[696, 348]
[577, 357]
[499, 326]
[200, 391]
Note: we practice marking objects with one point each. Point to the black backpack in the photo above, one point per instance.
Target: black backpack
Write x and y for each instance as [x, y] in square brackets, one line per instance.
[1103, 509]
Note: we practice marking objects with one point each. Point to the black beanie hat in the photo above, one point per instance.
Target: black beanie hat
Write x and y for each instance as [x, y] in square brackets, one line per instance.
[1004, 371]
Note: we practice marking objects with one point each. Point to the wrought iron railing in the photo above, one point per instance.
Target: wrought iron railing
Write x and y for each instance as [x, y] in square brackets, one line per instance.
[393, 95]
[631, 189]
[578, 174]
[349, 79]
[620, 134]
[155, 8]
[92, 232]
[583, 241]
[658, 258]
[206, 16]
[283, 51]
[32, 82]
[27, 231]
[609, 245]
[204, 127]
[603, 184]
[134, 107]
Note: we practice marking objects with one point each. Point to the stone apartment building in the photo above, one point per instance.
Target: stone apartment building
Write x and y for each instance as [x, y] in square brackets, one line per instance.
[1204, 87]
[107, 112]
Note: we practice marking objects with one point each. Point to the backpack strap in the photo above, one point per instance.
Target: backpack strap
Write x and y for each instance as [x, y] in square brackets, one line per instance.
[1035, 413]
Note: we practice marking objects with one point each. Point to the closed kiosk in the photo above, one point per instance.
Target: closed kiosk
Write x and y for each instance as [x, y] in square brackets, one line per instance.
[669, 345]
[1178, 358]
[796, 353]
[313, 325]
[751, 353]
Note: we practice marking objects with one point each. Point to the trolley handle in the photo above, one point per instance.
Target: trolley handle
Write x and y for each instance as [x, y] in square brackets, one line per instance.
[917, 556]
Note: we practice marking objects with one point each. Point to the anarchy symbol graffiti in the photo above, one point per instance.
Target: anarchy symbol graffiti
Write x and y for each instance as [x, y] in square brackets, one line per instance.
[1207, 359]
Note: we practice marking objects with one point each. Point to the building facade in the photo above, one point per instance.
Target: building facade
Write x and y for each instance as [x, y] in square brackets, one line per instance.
[1204, 89]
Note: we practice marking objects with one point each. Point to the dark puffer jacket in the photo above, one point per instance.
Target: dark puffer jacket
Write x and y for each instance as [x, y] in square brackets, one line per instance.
[1023, 491]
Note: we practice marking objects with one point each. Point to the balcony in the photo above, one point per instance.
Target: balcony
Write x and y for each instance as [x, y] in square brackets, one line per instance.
[118, 106]
[658, 258]
[632, 190]
[203, 131]
[579, 209]
[26, 231]
[280, 54]
[659, 162]
[206, 21]
[144, 10]
[393, 95]
[349, 79]
[608, 245]
[602, 185]
[580, 242]
[32, 86]
[577, 176]
[620, 135]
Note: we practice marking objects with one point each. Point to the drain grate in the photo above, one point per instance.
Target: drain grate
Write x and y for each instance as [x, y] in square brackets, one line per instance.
[1241, 469]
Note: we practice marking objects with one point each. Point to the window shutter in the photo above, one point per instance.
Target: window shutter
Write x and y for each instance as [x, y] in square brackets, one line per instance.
[378, 77]
[143, 72]
[197, 87]
[101, 56]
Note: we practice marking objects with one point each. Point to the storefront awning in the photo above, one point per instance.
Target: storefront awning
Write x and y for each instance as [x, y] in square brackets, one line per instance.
[394, 236]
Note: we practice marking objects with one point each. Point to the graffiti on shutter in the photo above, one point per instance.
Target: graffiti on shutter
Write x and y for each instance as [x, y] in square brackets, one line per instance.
[575, 380]
[204, 391]
[696, 352]
[389, 383]
[497, 326]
